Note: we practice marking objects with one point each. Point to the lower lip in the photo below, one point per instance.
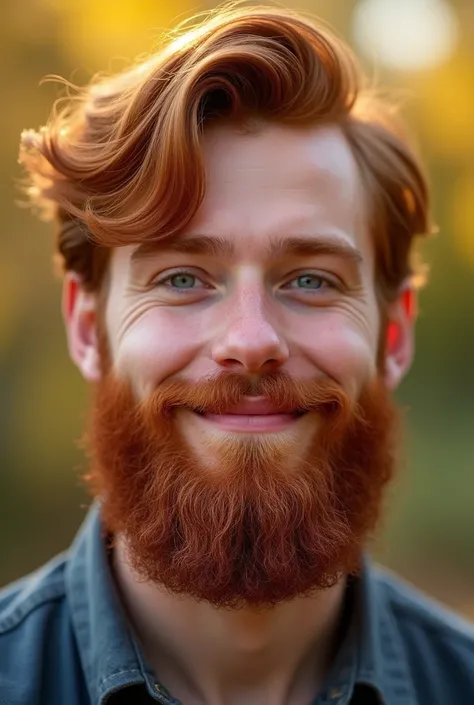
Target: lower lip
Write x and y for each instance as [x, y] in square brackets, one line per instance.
[243, 423]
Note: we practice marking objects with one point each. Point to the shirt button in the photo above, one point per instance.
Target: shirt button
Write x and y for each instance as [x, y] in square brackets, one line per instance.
[335, 693]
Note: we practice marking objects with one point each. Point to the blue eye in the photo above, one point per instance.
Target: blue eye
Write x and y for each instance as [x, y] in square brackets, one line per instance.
[308, 281]
[182, 280]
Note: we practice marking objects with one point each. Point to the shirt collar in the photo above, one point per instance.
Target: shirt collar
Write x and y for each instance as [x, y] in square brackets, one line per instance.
[108, 653]
[382, 662]
[371, 653]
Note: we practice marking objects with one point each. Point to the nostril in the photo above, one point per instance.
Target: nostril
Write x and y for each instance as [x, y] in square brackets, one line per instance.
[252, 351]
[229, 362]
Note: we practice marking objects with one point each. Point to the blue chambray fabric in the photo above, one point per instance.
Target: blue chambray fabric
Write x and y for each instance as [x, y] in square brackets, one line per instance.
[64, 640]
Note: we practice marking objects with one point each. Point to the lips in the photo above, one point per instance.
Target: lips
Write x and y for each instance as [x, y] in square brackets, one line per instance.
[253, 415]
[258, 406]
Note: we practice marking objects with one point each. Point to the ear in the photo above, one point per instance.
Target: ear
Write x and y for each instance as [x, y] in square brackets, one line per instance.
[79, 313]
[400, 344]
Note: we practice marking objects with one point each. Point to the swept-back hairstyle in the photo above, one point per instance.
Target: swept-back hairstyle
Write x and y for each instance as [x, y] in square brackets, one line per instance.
[121, 162]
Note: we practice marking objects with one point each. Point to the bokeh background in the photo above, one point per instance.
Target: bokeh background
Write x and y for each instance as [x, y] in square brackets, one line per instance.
[424, 51]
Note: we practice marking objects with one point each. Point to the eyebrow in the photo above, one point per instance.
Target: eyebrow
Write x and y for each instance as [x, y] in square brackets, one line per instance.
[218, 246]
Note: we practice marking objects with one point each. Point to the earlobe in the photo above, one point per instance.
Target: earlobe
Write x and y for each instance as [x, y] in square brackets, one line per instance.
[79, 313]
[399, 349]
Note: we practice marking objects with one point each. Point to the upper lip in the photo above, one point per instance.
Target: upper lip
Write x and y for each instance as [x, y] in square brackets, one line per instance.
[258, 406]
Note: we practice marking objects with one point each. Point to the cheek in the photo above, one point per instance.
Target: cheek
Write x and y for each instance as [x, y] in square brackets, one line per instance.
[346, 353]
[153, 348]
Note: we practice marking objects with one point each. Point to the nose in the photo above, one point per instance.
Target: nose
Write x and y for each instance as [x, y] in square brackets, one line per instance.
[248, 341]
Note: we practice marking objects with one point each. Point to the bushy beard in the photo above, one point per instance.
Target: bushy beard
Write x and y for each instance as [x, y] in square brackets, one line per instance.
[249, 532]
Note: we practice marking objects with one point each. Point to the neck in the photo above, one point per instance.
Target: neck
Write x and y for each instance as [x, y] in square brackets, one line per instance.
[201, 654]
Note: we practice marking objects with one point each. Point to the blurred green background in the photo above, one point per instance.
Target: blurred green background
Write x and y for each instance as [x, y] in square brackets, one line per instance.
[424, 49]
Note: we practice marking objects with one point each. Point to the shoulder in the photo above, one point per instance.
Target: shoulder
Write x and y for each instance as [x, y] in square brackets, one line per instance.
[438, 643]
[35, 633]
[31, 593]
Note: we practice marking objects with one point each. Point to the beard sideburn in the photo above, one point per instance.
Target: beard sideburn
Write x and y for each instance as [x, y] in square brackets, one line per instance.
[250, 532]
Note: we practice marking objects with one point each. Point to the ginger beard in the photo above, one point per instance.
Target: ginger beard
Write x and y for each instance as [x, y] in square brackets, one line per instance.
[250, 532]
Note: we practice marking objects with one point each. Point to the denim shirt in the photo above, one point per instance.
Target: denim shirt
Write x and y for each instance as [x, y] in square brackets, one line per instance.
[64, 640]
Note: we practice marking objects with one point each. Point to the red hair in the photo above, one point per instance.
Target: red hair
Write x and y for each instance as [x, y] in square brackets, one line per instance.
[122, 162]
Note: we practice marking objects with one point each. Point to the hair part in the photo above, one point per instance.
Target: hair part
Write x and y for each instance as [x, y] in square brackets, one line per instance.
[121, 162]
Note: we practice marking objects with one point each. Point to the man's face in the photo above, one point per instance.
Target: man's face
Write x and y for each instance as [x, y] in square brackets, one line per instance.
[254, 305]
[270, 286]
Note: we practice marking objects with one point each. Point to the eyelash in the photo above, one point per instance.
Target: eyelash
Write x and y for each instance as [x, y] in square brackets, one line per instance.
[329, 282]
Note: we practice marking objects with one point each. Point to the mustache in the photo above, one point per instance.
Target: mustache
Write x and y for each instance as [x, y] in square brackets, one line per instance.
[219, 393]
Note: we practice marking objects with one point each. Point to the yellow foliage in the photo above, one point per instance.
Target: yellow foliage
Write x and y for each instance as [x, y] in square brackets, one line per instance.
[94, 32]
[462, 217]
[445, 102]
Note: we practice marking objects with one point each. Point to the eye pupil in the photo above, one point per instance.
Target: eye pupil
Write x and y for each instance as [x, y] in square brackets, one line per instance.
[308, 281]
[183, 281]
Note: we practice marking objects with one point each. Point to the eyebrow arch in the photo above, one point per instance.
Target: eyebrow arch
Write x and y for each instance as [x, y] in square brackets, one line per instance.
[193, 245]
[279, 247]
[314, 245]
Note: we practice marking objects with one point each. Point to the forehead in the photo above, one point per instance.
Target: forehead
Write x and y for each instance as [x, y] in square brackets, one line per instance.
[277, 182]
[278, 156]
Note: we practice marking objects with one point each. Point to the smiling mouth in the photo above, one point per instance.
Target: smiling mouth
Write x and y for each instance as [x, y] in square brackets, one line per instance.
[253, 415]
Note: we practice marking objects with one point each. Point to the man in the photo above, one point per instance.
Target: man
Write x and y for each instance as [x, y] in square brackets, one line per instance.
[236, 220]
